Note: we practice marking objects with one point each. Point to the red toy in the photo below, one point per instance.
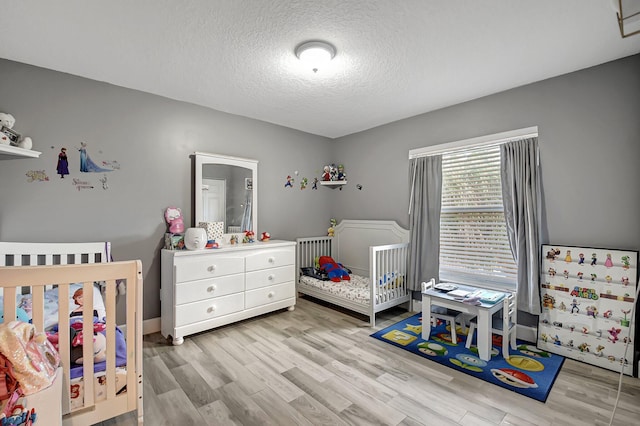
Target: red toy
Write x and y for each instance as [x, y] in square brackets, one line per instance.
[335, 271]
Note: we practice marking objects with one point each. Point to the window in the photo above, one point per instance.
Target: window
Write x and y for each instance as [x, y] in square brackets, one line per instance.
[473, 238]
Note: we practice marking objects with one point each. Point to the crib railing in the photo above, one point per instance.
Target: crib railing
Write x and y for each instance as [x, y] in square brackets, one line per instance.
[388, 265]
[36, 278]
[309, 248]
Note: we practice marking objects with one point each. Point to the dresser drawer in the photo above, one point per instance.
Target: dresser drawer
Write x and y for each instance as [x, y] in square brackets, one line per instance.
[266, 295]
[270, 258]
[208, 266]
[209, 308]
[193, 291]
[267, 277]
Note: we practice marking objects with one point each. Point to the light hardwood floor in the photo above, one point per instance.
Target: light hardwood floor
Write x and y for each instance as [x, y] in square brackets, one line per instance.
[319, 366]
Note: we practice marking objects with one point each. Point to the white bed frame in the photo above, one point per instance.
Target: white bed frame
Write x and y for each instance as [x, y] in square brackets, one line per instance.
[370, 248]
[32, 267]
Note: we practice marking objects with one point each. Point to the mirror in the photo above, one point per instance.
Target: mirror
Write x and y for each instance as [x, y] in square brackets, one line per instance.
[226, 190]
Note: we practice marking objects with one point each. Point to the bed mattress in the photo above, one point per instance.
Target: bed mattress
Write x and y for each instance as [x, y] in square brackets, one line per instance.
[357, 289]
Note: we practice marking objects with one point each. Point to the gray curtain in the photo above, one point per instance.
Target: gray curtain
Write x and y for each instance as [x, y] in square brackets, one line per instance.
[521, 197]
[424, 219]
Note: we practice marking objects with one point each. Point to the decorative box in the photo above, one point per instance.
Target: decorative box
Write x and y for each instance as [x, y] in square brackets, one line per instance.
[214, 230]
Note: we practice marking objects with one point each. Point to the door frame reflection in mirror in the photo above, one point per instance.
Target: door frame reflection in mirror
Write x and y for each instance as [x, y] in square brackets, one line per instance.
[204, 158]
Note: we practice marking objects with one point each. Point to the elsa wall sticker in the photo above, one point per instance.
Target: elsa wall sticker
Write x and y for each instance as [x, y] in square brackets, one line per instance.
[86, 163]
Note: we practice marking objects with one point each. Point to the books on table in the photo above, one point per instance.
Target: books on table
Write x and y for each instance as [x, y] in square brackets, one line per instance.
[459, 293]
[489, 296]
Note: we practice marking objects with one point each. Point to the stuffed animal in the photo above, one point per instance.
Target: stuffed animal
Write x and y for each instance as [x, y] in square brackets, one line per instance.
[335, 271]
[99, 346]
[173, 216]
[7, 120]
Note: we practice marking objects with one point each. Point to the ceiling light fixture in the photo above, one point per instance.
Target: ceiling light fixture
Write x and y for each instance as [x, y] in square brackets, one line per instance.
[315, 53]
[628, 12]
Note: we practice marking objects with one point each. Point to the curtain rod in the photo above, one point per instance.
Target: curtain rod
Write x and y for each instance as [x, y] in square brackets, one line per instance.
[480, 141]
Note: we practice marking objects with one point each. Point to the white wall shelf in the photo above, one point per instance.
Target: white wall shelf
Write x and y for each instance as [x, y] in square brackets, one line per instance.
[9, 152]
[333, 183]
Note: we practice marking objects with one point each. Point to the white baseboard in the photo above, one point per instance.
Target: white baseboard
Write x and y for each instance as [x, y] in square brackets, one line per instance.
[149, 326]
[416, 306]
[527, 333]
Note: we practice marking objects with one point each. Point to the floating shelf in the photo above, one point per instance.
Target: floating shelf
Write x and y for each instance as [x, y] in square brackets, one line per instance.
[9, 152]
[333, 183]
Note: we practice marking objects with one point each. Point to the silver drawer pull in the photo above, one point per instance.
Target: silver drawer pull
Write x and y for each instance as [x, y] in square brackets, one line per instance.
[272, 260]
[271, 277]
[211, 268]
[211, 288]
[271, 294]
[210, 309]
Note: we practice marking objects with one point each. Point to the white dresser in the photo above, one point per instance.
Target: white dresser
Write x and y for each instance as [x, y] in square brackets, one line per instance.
[204, 289]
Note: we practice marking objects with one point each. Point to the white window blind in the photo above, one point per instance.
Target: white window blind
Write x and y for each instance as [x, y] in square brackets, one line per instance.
[473, 238]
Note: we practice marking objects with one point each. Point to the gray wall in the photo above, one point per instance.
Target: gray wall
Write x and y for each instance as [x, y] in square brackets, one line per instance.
[589, 140]
[589, 137]
[153, 139]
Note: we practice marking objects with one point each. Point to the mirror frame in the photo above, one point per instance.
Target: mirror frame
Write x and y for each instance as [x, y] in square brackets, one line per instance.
[203, 158]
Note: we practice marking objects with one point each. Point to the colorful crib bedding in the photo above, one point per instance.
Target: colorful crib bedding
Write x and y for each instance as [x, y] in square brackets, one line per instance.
[23, 301]
[51, 298]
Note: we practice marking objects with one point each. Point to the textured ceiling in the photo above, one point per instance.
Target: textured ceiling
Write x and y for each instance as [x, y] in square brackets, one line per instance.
[395, 59]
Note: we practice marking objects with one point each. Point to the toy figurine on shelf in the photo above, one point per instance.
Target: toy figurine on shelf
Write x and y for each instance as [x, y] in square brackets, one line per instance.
[341, 174]
[265, 237]
[326, 175]
[331, 230]
[233, 240]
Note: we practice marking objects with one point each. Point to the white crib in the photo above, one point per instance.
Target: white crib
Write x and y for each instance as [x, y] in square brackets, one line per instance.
[376, 250]
[33, 268]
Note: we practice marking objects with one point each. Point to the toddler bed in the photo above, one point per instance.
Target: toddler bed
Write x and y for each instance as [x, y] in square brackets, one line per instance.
[376, 252]
[34, 280]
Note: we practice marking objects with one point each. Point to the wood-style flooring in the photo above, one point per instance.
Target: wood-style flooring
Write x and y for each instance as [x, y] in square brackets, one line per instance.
[318, 366]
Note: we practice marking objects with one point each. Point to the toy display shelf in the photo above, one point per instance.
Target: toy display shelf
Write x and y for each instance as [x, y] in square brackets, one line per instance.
[333, 183]
[9, 152]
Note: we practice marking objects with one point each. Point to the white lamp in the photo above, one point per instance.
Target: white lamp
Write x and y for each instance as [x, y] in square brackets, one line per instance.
[315, 53]
[628, 14]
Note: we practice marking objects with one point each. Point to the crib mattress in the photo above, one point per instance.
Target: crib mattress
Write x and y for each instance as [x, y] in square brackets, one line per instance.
[357, 289]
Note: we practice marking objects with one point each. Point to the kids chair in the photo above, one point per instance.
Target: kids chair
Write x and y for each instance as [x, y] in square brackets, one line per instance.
[504, 324]
[446, 315]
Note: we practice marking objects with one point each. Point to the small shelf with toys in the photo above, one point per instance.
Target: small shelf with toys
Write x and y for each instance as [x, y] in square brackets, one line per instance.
[9, 152]
[333, 176]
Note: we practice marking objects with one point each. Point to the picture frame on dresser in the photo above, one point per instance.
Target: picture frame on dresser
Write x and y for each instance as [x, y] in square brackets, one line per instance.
[587, 298]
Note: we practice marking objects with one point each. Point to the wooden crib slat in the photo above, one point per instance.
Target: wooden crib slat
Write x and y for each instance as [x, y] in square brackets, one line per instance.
[110, 306]
[37, 306]
[134, 345]
[64, 350]
[10, 302]
[87, 346]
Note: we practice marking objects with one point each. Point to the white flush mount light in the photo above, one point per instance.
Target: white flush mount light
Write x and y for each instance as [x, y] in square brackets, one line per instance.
[315, 53]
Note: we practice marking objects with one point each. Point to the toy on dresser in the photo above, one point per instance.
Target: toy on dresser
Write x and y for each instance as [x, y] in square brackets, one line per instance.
[174, 239]
[249, 237]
